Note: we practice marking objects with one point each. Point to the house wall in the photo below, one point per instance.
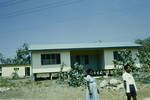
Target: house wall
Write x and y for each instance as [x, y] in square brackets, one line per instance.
[37, 67]
[108, 59]
[101, 58]
[8, 70]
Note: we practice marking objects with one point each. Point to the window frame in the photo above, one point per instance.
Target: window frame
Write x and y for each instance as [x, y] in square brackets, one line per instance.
[50, 59]
[117, 56]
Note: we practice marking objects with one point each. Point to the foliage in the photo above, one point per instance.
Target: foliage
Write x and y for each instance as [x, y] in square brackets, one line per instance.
[144, 52]
[125, 58]
[23, 55]
[76, 75]
[4, 60]
[15, 73]
[4, 82]
[1, 58]
[143, 73]
[62, 75]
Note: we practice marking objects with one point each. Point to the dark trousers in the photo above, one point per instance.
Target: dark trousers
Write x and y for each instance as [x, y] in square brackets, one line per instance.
[129, 96]
[132, 93]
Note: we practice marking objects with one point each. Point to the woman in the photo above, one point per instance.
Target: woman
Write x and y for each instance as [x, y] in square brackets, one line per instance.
[92, 92]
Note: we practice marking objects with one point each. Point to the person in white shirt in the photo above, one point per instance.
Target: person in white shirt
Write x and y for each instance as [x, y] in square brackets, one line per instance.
[129, 83]
[92, 92]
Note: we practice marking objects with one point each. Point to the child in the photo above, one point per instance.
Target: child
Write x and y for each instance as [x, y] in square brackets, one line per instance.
[129, 83]
[92, 92]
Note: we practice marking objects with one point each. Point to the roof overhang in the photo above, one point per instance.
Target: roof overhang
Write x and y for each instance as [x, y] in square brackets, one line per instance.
[84, 46]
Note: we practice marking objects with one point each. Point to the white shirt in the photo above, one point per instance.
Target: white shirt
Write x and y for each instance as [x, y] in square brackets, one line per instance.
[129, 81]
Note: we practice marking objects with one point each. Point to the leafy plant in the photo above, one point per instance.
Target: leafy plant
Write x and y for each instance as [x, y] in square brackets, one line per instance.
[143, 73]
[23, 55]
[144, 52]
[4, 82]
[15, 73]
[125, 57]
[76, 75]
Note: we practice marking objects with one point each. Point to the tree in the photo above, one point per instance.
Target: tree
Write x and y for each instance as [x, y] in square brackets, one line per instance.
[1, 57]
[144, 58]
[144, 53]
[124, 57]
[23, 55]
[4, 60]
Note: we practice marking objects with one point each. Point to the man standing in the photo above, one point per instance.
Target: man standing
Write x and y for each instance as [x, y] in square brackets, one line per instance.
[129, 83]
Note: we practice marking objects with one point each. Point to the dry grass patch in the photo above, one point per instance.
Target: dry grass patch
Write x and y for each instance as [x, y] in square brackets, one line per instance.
[50, 90]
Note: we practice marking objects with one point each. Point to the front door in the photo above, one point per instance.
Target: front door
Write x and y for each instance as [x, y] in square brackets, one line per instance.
[27, 71]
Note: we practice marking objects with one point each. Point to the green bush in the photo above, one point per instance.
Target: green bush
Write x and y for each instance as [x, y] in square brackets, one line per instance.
[15, 75]
[76, 76]
[142, 74]
[4, 82]
[124, 57]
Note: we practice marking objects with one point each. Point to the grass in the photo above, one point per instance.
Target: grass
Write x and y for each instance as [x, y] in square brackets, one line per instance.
[26, 89]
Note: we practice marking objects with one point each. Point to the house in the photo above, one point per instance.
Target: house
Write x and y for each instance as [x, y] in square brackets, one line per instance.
[21, 70]
[47, 59]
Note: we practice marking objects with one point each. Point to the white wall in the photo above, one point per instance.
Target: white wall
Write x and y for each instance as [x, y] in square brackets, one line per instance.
[108, 59]
[8, 70]
[38, 68]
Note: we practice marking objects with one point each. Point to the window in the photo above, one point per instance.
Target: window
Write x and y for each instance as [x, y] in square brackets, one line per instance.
[125, 54]
[78, 59]
[47, 59]
[82, 59]
[86, 59]
[27, 71]
[117, 56]
[16, 69]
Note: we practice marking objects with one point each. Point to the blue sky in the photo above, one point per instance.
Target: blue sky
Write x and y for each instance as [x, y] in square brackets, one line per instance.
[71, 21]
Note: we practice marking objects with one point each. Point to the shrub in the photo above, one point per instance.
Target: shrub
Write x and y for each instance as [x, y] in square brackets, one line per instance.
[76, 75]
[125, 57]
[4, 82]
[142, 74]
[15, 73]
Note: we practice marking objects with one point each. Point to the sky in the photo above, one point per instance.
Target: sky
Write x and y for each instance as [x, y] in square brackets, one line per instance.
[71, 21]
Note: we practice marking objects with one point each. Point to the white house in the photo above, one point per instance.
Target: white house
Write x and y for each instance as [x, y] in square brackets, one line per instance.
[49, 58]
[21, 70]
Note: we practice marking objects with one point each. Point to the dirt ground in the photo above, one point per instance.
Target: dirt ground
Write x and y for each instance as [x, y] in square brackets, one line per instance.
[50, 90]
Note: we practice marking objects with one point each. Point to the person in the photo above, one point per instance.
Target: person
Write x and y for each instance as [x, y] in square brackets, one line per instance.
[92, 92]
[129, 83]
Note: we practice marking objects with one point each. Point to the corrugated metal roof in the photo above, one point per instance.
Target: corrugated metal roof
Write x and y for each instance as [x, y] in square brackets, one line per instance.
[83, 46]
